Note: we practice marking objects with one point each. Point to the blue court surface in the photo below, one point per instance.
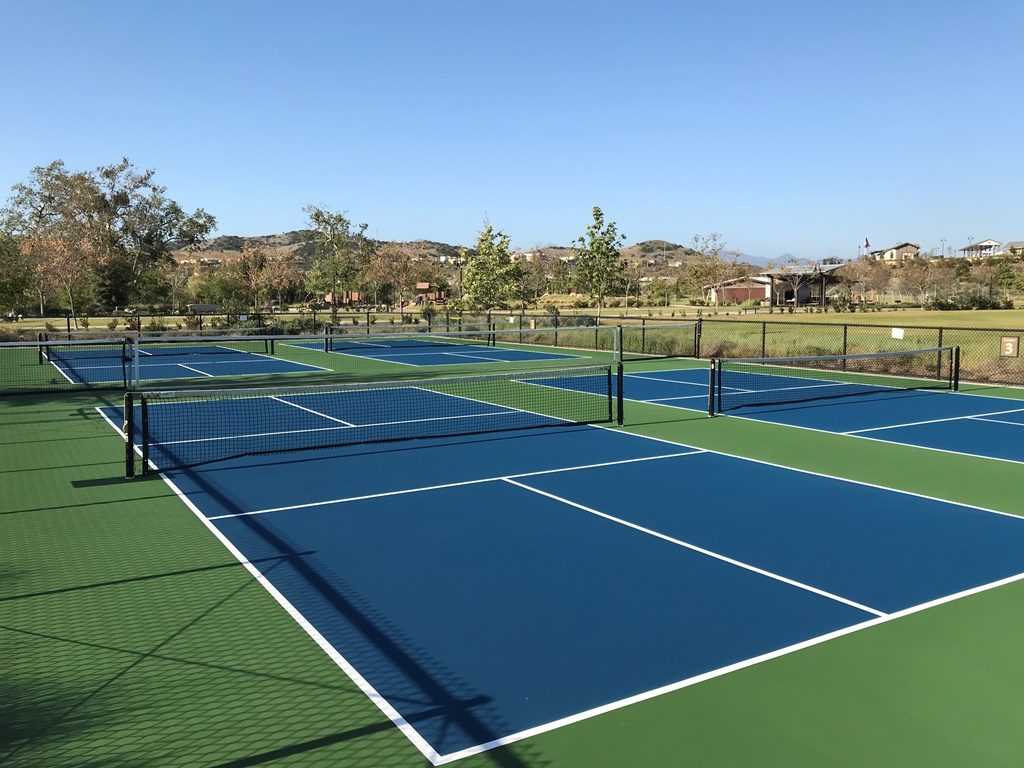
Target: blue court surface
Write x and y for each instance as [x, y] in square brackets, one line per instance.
[429, 352]
[977, 425]
[104, 365]
[484, 588]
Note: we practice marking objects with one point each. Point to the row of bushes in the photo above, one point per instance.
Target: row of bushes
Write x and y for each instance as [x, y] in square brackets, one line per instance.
[969, 301]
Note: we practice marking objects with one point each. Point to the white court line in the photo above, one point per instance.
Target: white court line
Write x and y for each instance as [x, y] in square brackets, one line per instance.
[61, 372]
[929, 421]
[457, 484]
[310, 410]
[712, 674]
[478, 357]
[195, 370]
[997, 421]
[700, 550]
[666, 399]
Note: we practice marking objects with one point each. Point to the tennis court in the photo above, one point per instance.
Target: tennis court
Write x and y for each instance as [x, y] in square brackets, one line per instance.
[434, 572]
[498, 566]
[105, 363]
[963, 423]
[427, 350]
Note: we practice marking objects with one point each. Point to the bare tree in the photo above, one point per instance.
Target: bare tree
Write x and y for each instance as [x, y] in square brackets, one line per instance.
[708, 269]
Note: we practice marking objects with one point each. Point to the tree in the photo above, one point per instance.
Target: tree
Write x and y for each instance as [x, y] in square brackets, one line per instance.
[634, 272]
[562, 278]
[63, 262]
[340, 258]
[708, 270]
[15, 273]
[400, 275]
[124, 218]
[796, 276]
[252, 273]
[176, 275]
[598, 261]
[490, 278]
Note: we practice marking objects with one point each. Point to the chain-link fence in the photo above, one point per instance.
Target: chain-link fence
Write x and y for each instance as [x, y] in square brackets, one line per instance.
[983, 351]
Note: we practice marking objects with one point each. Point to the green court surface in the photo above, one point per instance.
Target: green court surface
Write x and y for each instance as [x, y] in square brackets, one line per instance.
[130, 636]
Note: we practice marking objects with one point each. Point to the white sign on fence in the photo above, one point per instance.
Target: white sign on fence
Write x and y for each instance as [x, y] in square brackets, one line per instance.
[897, 333]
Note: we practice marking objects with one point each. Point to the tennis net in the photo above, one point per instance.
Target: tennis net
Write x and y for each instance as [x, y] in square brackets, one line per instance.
[745, 382]
[176, 429]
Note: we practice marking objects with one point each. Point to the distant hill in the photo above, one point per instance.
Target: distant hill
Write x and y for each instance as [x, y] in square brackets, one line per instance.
[659, 256]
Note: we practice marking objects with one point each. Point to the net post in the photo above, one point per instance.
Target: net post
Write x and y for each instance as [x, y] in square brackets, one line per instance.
[272, 349]
[617, 347]
[956, 369]
[144, 411]
[711, 387]
[620, 399]
[125, 363]
[67, 322]
[718, 387]
[643, 334]
[136, 376]
[698, 333]
[39, 349]
[128, 426]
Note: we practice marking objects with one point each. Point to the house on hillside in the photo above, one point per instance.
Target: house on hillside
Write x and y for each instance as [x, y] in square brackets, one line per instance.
[981, 249]
[1013, 248]
[757, 288]
[895, 253]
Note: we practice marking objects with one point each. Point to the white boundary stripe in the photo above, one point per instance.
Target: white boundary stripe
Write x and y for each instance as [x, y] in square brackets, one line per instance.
[710, 675]
[457, 484]
[997, 421]
[437, 759]
[700, 550]
[195, 370]
[315, 413]
[930, 421]
[389, 711]
[61, 371]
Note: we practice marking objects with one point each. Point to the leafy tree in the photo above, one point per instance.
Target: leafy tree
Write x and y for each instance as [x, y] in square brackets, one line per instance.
[598, 262]
[15, 273]
[122, 217]
[490, 278]
[634, 272]
[562, 278]
[340, 255]
[708, 269]
[251, 270]
[176, 275]
[65, 262]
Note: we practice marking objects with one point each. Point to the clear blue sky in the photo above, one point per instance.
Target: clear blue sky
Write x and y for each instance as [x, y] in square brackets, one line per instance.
[797, 127]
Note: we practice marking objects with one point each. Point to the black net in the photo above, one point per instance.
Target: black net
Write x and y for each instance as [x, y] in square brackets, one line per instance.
[191, 427]
[752, 382]
[35, 366]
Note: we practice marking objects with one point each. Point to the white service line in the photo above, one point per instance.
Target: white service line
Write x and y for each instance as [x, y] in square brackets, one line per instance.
[310, 410]
[700, 550]
[997, 421]
[929, 421]
[457, 484]
[194, 370]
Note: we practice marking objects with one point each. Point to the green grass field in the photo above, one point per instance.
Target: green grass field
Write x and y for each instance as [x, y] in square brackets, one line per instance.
[131, 637]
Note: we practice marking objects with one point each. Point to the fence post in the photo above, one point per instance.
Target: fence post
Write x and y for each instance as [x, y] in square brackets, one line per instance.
[643, 335]
[846, 334]
[520, 327]
[67, 322]
[940, 350]
[699, 334]
[556, 330]
[619, 397]
[764, 338]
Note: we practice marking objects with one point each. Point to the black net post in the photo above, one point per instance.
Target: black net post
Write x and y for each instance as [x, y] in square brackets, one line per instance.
[144, 427]
[711, 388]
[698, 332]
[643, 335]
[42, 358]
[128, 426]
[67, 322]
[956, 369]
[620, 399]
